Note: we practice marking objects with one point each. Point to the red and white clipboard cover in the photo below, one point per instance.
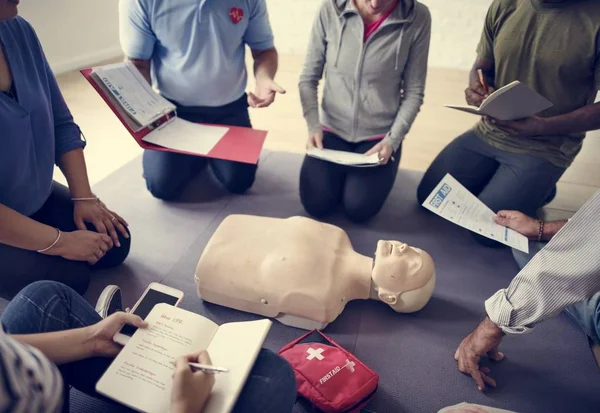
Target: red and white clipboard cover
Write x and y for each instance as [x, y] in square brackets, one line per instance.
[237, 144]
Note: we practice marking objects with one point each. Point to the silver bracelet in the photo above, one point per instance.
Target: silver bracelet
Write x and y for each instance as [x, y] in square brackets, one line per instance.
[95, 198]
[54, 243]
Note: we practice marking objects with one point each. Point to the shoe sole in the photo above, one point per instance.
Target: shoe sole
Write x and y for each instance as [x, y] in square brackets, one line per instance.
[106, 297]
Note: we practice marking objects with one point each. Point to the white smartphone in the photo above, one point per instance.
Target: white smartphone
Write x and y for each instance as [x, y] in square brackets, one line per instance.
[155, 294]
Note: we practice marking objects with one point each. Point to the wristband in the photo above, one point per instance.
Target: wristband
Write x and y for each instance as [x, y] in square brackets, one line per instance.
[53, 244]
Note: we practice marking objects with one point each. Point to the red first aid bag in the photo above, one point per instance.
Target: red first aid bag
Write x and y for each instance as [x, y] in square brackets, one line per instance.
[330, 377]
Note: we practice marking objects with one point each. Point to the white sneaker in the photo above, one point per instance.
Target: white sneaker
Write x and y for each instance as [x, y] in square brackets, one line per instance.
[110, 301]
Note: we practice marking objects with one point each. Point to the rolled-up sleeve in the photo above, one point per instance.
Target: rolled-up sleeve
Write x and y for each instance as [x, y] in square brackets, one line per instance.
[135, 30]
[565, 272]
[259, 35]
[67, 135]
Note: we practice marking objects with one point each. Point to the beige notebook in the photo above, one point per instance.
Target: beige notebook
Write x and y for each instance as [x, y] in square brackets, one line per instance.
[344, 158]
[141, 375]
[512, 102]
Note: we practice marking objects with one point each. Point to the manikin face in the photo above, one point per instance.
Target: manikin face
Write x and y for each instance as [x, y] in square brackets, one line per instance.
[375, 7]
[399, 270]
[8, 9]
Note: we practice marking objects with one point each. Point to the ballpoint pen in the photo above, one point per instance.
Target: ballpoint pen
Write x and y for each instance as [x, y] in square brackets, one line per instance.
[207, 368]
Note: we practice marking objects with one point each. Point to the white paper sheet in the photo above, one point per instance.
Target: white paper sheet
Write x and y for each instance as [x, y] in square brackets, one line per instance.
[133, 92]
[454, 202]
[344, 158]
[187, 136]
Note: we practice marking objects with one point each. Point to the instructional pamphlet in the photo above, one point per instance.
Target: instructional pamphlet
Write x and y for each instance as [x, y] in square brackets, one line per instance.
[454, 202]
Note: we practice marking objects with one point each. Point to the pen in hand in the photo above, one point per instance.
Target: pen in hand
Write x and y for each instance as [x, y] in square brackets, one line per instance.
[483, 82]
[206, 368]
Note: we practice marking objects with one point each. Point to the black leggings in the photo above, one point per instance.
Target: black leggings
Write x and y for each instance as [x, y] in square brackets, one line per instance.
[19, 267]
[361, 191]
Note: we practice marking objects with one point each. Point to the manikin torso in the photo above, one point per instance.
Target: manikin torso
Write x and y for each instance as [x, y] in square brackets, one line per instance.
[303, 272]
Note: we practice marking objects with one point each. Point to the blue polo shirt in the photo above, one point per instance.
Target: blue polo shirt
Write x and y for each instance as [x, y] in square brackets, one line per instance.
[197, 47]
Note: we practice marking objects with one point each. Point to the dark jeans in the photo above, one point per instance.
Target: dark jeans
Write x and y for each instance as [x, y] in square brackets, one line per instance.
[47, 306]
[167, 173]
[21, 267]
[324, 186]
[502, 180]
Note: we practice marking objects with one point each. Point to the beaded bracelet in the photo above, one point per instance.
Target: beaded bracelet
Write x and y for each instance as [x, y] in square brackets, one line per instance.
[541, 231]
[54, 243]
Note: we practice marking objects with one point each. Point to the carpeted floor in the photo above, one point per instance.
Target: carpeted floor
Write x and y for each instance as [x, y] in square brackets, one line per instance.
[549, 370]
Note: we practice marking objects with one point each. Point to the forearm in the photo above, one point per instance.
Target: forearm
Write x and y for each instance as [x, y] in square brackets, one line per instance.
[20, 231]
[265, 64]
[563, 273]
[61, 346]
[309, 99]
[72, 165]
[409, 109]
[144, 66]
[579, 121]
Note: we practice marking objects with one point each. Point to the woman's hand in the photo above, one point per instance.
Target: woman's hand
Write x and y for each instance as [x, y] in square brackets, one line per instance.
[315, 140]
[104, 220]
[191, 390]
[384, 150]
[85, 245]
[101, 334]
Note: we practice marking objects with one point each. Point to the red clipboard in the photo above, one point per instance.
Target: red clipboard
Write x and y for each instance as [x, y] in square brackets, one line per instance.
[238, 144]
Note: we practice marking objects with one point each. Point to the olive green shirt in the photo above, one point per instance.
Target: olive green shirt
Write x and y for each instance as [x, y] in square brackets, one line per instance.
[554, 48]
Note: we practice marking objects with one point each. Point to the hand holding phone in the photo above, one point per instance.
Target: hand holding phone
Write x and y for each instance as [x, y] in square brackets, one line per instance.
[155, 294]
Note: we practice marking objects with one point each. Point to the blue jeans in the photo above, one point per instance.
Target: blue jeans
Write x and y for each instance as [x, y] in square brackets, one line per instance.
[47, 306]
[500, 179]
[167, 173]
[585, 313]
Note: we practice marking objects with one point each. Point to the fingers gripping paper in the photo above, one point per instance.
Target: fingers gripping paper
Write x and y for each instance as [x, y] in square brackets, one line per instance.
[454, 202]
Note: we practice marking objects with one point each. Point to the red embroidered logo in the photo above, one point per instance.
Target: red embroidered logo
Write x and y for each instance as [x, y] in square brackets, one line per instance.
[236, 15]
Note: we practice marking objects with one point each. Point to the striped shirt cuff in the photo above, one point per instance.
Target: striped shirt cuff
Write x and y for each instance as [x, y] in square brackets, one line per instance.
[499, 311]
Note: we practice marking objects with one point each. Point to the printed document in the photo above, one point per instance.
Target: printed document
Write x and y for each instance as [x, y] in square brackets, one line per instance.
[133, 92]
[185, 136]
[344, 158]
[454, 202]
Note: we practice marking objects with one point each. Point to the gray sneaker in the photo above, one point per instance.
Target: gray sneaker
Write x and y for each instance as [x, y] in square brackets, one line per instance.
[110, 301]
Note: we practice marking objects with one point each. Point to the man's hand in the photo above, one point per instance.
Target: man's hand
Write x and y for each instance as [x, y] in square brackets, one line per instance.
[315, 140]
[384, 150]
[102, 333]
[191, 390]
[520, 222]
[264, 94]
[475, 94]
[532, 126]
[485, 339]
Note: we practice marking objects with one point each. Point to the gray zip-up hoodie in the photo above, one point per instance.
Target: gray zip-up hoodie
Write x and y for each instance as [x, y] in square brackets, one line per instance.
[372, 88]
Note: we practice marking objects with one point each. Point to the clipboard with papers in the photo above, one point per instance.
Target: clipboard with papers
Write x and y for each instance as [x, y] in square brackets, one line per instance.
[153, 122]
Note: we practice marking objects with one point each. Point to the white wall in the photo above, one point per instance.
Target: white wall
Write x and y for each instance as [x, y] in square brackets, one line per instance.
[456, 28]
[74, 33]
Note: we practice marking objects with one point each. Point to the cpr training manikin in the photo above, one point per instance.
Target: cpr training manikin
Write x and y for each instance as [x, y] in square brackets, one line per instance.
[302, 272]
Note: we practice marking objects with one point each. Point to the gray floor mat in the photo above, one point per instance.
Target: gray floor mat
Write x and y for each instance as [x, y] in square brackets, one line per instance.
[549, 370]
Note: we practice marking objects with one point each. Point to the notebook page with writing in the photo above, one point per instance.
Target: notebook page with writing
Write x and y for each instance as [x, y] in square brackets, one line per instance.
[187, 136]
[235, 346]
[140, 377]
[133, 93]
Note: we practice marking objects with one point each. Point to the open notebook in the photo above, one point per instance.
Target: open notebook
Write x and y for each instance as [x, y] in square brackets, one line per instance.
[153, 122]
[141, 375]
[344, 158]
[512, 102]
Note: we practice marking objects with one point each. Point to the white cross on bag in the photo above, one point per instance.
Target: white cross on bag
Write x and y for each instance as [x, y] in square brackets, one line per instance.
[312, 353]
[349, 365]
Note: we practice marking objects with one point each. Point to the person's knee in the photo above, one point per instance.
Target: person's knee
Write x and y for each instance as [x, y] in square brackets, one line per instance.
[360, 211]
[161, 188]
[318, 206]
[116, 255]
[282, 372]
[236, 178]
[238, 184]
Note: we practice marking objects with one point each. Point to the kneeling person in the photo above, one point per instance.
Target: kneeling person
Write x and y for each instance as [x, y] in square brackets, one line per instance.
[365, 110]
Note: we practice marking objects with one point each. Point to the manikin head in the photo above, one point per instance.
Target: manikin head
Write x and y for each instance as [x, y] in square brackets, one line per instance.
[8, 9]
[403, 277]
